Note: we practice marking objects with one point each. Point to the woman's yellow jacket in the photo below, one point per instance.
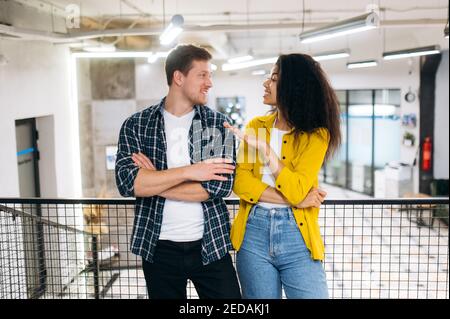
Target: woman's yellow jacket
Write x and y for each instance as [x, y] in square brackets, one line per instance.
[303, 157]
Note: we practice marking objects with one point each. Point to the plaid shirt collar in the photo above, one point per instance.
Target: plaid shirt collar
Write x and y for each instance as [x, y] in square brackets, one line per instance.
[199, 111]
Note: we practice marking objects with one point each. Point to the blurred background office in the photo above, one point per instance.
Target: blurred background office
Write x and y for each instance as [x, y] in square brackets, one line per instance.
[71, 71]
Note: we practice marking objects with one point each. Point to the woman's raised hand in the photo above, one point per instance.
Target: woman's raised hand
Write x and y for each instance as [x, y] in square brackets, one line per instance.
[251, 140]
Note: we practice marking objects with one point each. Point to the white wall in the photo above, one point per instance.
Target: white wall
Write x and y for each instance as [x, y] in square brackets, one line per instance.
[441, 133]
[249, 86]
[36, 83]
[46, 145]
[151, 82]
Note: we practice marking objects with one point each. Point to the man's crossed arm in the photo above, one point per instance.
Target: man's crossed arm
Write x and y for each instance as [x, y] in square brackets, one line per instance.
[184, 183]
[181, 183]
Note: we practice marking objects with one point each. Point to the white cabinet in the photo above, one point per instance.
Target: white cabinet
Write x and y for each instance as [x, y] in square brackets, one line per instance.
[379, 184]
[393, 181]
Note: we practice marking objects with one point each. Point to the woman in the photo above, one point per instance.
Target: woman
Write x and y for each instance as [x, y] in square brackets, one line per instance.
[276, 231]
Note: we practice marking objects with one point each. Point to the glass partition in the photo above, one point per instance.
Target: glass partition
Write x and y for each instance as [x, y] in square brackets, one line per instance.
[371, 138]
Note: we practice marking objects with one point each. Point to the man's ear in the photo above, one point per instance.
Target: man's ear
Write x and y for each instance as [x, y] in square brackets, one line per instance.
[178, 78]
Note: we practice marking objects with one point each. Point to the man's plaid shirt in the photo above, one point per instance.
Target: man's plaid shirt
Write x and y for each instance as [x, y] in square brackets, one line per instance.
[144, 132]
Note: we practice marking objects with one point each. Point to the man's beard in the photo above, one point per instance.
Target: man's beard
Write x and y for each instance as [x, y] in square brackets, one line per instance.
[198, 101]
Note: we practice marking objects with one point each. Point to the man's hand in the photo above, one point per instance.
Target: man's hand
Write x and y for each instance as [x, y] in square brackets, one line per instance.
[203, 171]
[142, 161]
[314, 198]
[209, 169]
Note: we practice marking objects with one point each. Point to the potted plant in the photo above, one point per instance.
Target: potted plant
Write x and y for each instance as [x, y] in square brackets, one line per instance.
[408, 139]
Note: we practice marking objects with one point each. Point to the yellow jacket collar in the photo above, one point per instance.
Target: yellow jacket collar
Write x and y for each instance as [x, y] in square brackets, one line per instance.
[269, 119]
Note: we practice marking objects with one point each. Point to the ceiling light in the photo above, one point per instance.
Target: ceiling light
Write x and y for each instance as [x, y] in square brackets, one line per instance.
[156, 56]
[433, 49]
[100, 48]
[446, 31]
[240, 59]
[357, 24]
[362, 64]
[332, 55]
[120, 54]
[213, 67]
[249, 64]
[173, 30]
[368, 110]
[259, 72]
[152, 58]
[77, 45]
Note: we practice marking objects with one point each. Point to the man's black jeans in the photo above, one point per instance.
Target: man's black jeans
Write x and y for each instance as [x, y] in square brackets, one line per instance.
[174, 263]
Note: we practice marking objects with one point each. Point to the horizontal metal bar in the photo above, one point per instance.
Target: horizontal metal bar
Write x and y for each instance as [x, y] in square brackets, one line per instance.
[69, 201]
[388, 201]
[229, 201]
[42, 220]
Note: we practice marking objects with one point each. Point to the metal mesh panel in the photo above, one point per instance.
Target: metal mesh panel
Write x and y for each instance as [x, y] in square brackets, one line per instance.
[56, 248]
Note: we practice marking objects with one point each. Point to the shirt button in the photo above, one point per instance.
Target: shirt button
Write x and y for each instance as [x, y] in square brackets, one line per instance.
[284, 157]
[301, 224]
[279, 186]
[251, 199]
[284, 142]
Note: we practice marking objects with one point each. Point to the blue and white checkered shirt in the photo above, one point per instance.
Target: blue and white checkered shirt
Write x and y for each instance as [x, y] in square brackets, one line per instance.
[144, 132]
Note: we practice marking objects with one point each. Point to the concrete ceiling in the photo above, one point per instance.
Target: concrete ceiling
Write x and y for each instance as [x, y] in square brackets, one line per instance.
[233, 27]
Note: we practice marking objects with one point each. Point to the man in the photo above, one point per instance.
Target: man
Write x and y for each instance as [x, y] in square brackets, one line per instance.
[178, 160]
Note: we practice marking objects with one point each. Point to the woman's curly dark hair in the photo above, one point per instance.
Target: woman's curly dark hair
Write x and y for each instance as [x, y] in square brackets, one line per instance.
[306, 99]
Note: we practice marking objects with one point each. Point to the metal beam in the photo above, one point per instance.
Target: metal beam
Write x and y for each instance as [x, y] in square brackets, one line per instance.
[29, 34]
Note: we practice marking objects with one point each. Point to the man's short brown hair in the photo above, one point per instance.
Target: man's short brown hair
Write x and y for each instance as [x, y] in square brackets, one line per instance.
[180, 59]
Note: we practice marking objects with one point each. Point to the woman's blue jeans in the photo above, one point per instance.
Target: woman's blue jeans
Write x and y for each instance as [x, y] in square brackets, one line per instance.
[274, 256]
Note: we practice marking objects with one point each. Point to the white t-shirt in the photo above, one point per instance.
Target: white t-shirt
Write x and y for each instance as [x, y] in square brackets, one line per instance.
[182, 221]
[276, 141]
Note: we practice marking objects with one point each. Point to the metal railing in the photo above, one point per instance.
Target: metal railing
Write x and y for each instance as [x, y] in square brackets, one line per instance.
[79, 248]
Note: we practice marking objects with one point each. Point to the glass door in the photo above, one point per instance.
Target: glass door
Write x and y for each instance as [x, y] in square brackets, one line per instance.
[360, 140]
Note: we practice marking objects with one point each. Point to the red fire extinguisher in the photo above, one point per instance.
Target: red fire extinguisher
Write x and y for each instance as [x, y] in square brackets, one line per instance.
[426, 154]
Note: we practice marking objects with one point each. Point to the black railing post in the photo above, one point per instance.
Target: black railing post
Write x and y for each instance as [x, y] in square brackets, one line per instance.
[95, 266]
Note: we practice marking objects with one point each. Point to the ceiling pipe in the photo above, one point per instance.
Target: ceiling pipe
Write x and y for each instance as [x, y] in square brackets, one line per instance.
[29, 34]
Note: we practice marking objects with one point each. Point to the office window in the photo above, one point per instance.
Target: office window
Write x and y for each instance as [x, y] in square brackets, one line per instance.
[360, 147]
[371, 137]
